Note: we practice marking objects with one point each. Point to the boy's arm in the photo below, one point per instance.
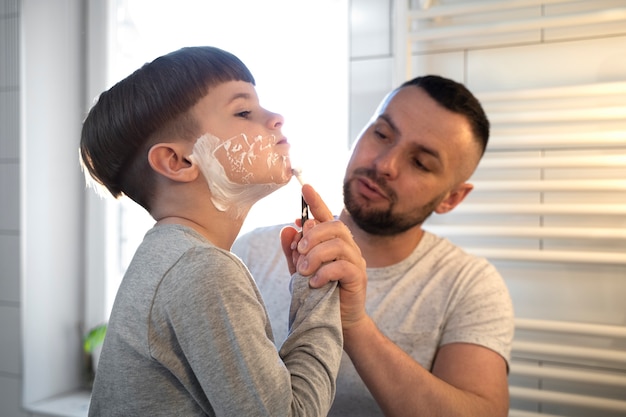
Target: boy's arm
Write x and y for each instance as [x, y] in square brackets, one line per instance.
[313, 348]
[326, 252]
[224, 337]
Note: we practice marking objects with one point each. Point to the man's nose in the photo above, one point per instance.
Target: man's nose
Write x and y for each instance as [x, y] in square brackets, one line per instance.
[388, 162]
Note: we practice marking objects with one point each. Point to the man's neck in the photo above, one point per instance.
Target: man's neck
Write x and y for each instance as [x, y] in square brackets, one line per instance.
[380, 251]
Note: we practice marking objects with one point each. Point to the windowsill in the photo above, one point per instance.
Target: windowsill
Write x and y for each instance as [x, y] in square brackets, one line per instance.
[72, 404]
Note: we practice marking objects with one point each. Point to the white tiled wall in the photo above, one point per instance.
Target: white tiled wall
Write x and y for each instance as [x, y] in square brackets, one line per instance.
[10, 390]
[371, 59]
[10, 360]
[565, 56]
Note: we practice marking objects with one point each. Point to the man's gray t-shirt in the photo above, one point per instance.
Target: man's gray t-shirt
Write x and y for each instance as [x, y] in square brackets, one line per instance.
[189, 335]
[438, 295]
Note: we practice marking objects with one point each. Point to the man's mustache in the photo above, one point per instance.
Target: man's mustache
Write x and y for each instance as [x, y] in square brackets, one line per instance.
[373, 176]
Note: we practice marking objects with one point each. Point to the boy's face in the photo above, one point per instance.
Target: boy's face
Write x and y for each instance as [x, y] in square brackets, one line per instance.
[242, 153]
[246, 138]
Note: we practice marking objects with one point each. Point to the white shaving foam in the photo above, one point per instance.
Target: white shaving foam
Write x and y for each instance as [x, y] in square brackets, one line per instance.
[232, 186]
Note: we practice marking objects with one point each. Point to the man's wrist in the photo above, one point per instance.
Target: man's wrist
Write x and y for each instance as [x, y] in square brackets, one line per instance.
[359, 329]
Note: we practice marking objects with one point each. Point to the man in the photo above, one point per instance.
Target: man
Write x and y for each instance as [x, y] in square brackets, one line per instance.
[437, 335]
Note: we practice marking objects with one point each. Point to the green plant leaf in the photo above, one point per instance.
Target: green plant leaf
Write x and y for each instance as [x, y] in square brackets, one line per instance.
[94, 338]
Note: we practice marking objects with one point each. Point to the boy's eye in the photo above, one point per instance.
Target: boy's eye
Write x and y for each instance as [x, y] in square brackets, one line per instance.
[243, 114]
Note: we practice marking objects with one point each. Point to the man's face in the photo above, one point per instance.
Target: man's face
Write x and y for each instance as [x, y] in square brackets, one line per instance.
[407, 163]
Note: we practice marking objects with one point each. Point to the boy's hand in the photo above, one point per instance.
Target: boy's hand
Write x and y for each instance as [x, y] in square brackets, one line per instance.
[326, 251]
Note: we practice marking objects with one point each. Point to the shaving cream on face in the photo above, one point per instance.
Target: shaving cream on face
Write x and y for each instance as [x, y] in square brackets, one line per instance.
[255, 159]
[240, 171]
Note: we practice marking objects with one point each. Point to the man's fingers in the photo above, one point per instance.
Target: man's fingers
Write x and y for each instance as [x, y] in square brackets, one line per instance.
[326, 242]
[340, 270]
[318, 208]
[287, 237]
[353, 283]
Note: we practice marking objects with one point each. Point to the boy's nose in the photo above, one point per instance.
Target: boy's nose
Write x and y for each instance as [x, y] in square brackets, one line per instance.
[276, 120]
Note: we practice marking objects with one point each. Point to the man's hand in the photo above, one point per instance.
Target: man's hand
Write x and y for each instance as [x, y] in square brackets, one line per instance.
[326, 251]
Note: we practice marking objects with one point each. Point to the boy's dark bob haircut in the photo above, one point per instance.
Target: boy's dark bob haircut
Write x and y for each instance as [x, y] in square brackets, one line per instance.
[116, 135]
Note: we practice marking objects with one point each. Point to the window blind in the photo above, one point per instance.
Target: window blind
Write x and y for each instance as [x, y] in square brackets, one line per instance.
[549, 204]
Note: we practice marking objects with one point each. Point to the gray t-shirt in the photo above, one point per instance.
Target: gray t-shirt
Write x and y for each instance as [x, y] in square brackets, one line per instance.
[189, 336]
[438, 295]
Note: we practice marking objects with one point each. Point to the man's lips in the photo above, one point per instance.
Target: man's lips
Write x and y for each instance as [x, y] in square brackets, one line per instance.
[370, 189]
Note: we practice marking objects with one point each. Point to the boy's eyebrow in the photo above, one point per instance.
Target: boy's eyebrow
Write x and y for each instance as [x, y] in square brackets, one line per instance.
[240, 95]
[434, 153]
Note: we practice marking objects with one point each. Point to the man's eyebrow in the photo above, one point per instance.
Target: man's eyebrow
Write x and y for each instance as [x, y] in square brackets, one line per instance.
[435, 154]
[390, 122]
[418, 147]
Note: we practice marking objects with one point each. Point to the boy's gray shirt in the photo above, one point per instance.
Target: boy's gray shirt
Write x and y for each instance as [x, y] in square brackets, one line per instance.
[189, 335]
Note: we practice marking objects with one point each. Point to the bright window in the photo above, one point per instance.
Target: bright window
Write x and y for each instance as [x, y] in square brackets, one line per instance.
[298, 54]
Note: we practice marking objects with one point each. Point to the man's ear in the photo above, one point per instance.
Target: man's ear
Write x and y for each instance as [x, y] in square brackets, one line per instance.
[454, 198]
[170, 160]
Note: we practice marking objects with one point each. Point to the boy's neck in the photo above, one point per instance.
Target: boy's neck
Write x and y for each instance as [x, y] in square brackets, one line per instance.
[221, 232]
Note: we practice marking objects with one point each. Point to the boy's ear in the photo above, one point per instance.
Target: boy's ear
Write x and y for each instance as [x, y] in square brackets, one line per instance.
[170, 160]
[454, 198]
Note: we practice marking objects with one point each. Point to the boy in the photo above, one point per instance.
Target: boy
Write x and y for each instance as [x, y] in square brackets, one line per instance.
[186, 138]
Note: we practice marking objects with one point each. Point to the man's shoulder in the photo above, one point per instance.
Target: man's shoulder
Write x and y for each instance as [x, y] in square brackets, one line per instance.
[260, 234]
[444, 246]
[261, 240]
[449, 256]
[265, 230]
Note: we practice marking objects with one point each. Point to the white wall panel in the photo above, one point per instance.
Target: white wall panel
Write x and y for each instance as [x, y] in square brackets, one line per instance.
[10, 341]
[370, 23]
[448, 64]
[10, 309]
[584, 31]
[548, 64]
[9, 261]
[9, 190]
[10, 389]
[9, 123]
[370, 81]
[51, 191]
[8, 50]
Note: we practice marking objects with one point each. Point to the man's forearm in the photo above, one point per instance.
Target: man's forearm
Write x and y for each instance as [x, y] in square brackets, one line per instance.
[402, 387]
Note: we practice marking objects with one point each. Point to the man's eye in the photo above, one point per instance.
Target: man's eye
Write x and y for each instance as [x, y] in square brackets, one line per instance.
[243, 114]
[380, 134]
[419, 165]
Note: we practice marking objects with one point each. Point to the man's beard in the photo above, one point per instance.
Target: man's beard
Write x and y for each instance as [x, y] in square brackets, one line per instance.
[383, 222]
